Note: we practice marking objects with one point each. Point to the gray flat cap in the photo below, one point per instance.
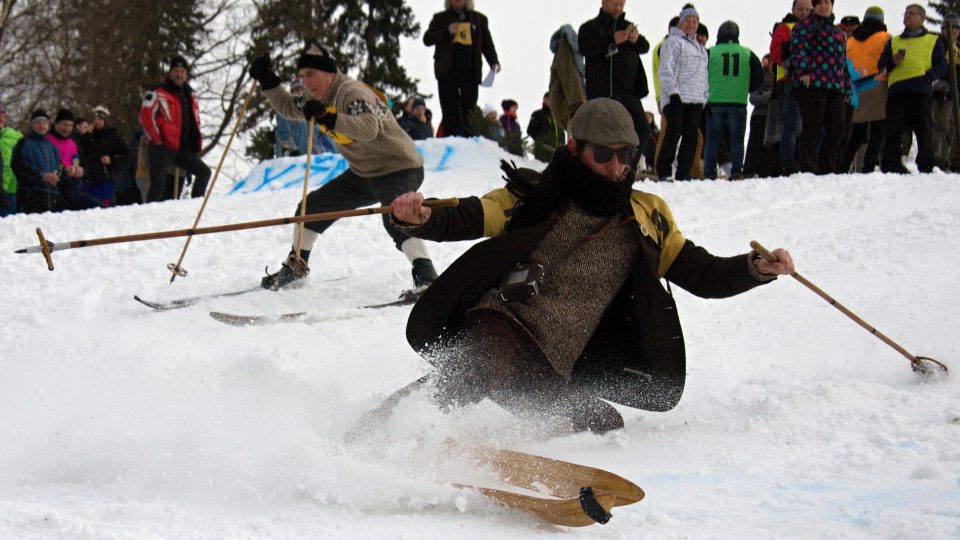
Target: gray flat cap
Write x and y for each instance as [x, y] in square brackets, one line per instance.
[605, 122]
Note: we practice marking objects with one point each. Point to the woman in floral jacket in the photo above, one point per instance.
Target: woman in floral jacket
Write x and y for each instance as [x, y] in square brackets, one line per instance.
[821, 84]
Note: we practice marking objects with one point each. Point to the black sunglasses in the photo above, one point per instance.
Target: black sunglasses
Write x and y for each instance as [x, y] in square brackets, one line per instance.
[603, 154]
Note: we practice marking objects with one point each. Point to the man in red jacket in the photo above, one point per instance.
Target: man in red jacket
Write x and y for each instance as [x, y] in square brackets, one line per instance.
[170, 116]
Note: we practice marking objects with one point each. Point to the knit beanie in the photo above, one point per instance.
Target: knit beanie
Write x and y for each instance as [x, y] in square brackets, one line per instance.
[63, 114]
[728, 30]
[178, 61]
[873, 13]
[39, 114]
[953, 18]
[605, 122]
[689, 12]
[317, 58]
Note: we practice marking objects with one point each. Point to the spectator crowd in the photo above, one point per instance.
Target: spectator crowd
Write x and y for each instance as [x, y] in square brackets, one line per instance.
[828, 96]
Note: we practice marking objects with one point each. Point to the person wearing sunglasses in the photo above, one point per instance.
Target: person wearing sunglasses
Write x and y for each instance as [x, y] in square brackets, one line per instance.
[563, 306]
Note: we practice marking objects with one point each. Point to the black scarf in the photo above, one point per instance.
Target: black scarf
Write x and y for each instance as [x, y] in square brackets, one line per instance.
[565, 180]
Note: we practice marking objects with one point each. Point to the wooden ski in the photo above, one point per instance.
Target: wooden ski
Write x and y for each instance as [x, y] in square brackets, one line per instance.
[563, 493]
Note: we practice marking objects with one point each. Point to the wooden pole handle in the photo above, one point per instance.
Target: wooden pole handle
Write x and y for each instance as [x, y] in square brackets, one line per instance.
[441, 203]
[764, 252]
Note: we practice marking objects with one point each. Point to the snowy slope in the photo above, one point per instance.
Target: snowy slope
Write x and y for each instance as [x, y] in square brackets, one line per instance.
[117, 422]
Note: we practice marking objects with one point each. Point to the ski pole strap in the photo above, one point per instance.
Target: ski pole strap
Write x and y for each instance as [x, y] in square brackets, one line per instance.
[592, 508]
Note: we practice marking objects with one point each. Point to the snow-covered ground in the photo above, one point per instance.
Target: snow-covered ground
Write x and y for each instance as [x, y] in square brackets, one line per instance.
[118, 422]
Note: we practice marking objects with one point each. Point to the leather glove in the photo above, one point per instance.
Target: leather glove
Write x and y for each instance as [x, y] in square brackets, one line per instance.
[316, 110]
[262, 71]
[941, 86]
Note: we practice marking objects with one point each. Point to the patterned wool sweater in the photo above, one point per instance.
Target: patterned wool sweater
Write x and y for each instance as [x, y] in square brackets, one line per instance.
[369, 136]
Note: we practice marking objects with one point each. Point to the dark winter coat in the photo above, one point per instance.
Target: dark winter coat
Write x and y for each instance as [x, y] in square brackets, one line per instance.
[543, 127]
[619, 74]
[818, 49]
[416, 129]
[34, 156]
[636, 354]
[438, 35]
[103, 142]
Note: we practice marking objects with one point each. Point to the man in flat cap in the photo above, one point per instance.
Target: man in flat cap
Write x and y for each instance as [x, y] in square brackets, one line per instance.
[563, 307]
[383, 161]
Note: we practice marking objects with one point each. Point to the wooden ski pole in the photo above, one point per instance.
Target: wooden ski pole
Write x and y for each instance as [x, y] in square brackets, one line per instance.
[46, 247]
[175, 268]
[306, 184]
[952, 76]
[921, 364]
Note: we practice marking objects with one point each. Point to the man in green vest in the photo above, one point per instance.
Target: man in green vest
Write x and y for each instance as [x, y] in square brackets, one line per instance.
[733, 71]
[914, 59]
[8, 190]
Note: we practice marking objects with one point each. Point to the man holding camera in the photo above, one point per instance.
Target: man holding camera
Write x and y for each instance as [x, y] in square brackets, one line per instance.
[611, 47]
[563, 305]
[913, 60]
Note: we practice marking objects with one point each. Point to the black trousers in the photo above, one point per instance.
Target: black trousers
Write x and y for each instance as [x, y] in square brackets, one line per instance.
[458, 98]
[865, 132]
[683, 125]
[161, 157]
[906, 112]
[757, 159]
[822, 112]
[349, 191]
[635, 107]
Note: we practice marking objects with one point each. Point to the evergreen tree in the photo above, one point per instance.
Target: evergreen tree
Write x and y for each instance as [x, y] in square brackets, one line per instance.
[941, 9]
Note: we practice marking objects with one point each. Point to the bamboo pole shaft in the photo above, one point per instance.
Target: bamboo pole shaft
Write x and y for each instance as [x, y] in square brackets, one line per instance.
[177, 269]
[326, 216]
[306, 184]
[843, 309]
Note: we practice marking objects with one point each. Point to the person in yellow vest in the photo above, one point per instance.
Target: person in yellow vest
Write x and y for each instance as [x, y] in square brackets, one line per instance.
[864, 48]
[943, 121]
[563, 307]
[913, 60]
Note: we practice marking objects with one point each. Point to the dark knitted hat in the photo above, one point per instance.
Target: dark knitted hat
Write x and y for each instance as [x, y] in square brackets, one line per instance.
[63, 114]
[419, 102]
[850, 20]
[38, 114]
[178, 61]
[317, 58]
[728, 30]
[507, 103]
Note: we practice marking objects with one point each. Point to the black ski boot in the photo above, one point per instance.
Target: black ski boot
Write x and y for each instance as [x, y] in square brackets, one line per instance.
[293, 269]
[423, 274]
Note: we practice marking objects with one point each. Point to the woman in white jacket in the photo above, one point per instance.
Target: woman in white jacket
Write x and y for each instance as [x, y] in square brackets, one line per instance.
[683, 93]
